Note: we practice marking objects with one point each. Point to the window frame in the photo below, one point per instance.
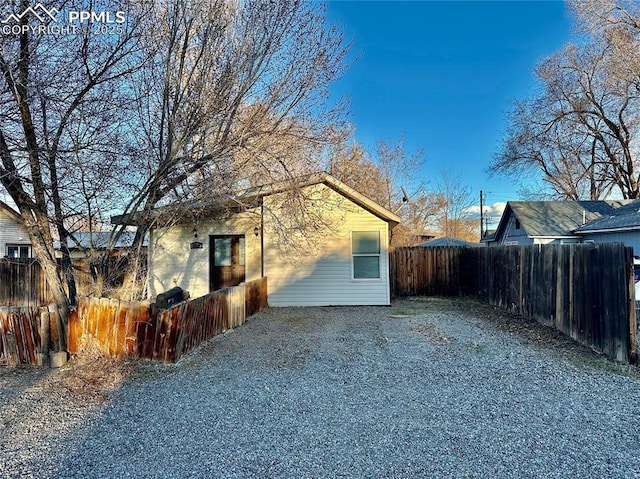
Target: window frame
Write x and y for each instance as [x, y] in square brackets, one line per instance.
[370, 255]
[19, 246]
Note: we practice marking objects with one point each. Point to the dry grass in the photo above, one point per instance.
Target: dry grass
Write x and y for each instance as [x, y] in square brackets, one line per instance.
[92, 376]
[541, 335]
[430, 331]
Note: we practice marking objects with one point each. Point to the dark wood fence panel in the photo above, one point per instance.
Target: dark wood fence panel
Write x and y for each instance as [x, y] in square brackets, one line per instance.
[585, 291]
[133, 328]
[22, 283]
[430, 271]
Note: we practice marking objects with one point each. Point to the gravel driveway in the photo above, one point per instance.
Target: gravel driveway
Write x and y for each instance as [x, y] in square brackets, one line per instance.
[425, 388]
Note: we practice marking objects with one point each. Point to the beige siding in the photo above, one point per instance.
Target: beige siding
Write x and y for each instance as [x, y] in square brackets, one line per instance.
[314, 266]
[11, 232]
[307, 259]
[173, 263]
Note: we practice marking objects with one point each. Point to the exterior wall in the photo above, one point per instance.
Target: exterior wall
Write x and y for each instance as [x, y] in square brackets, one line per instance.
[12, 233]
[541, 241]
[512, 235]
[313, 266]
[556, 240]
[173, 263]
[629, 238]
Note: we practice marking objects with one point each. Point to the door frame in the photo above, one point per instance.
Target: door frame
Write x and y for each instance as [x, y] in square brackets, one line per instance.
[238, 263]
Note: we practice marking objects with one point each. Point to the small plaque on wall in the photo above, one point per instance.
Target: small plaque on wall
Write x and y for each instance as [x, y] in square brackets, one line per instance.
[196, 245]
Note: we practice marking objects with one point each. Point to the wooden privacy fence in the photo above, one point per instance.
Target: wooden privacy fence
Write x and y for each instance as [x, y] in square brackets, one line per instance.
[22, 283]
[29, 334]
[585, 291]
[134, 328]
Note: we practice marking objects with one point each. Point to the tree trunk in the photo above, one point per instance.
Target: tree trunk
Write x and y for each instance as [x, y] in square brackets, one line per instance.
[42, 244]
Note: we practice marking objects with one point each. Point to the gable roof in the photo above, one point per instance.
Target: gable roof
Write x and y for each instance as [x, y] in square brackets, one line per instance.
[624, 218]
[554, 219]
[447, 241]
[13, 214]
[251, 195]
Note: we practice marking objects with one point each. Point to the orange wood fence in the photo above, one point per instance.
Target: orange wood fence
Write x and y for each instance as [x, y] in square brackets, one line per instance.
[134, 328]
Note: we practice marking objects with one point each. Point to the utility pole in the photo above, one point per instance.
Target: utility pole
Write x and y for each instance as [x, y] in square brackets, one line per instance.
[481, 216]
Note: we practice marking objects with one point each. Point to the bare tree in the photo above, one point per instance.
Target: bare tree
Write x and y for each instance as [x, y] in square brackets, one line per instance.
[54, 85]
[581, 131]
[186, 99]
[420, 216]
[454, 217]
[235, 91]
[561, 152]
[391, 177]
[351, 164]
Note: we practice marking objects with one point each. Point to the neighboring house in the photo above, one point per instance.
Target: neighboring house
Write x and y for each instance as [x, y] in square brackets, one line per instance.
[338, 256]
[447, 241]
[423, 238]
[83, 242]
[620, 225]
[543, 222]
[14, 239]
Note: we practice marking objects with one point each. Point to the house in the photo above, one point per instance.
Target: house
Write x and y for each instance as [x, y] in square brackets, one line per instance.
[14, 238]
[620, 225]
[83, 242]
[338, 254]
[447, 241]
[543, 222]
[423, 238]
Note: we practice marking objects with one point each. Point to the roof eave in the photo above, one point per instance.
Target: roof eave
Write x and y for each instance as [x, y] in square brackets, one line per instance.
[609, 230]
[252, 194]
[555, 237]
[11, 212]
[361, 200]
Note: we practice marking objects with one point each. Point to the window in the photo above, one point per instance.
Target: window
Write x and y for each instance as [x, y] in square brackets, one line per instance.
[365, 248]
[241, 252]
[222, 251]
[517, 224]
[18, 251]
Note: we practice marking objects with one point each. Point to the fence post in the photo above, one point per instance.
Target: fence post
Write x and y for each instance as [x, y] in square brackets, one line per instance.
[44, 337]
[632, 313]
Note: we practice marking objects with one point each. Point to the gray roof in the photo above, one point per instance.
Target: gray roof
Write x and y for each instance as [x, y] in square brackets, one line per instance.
[446, 241]
[625, 217]
[98, 239]
[558, 218]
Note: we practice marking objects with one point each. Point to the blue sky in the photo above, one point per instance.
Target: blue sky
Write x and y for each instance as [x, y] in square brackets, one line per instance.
[443, 75]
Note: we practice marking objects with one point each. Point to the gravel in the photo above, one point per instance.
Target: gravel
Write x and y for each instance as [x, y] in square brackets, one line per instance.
[424, 388]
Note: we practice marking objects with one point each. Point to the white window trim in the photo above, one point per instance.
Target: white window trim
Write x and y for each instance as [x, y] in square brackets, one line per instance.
[17, 245]
[379, 256]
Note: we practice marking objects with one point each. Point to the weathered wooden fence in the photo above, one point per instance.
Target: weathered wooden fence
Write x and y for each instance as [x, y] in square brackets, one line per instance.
[585, 291]
[133, 328]
[29, 334]
[22, 283]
